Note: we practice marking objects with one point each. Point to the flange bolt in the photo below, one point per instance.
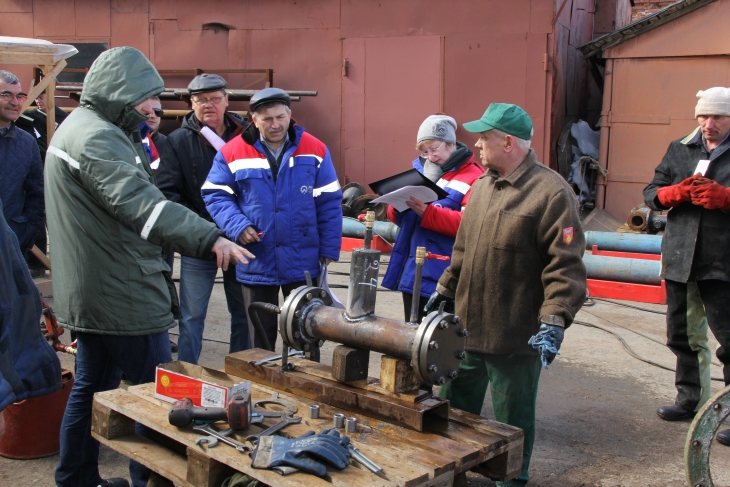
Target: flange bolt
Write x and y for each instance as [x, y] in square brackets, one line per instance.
[696, 443]
[460, 354]
[443, 325]
[717, 407]
[456, 320]
[441, 381]
[308, 296]
[433, 345]
[463, 332]
[323, 293]
[297, 334]
[432, 368]
[453, 374]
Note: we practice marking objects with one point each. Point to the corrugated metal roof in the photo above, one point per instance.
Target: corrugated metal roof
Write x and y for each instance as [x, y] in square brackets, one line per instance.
[644, 24]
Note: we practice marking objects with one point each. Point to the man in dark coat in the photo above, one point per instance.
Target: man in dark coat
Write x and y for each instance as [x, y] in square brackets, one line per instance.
[21, 170]
[692, 181]
[184, 166]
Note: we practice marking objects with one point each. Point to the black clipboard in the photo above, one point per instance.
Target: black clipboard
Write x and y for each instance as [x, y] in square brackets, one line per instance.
[409, 178]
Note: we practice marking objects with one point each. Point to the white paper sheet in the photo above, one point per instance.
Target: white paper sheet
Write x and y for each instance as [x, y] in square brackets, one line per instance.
[212, 137]
[397, 199]
[702, 166]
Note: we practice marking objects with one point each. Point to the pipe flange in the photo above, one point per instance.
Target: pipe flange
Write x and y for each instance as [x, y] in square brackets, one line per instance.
[439, 348]
[294, 312]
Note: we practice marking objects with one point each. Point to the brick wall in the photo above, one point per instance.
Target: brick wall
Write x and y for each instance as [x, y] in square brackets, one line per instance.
[642, 9]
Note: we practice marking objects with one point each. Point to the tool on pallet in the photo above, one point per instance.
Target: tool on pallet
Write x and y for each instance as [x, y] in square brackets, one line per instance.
[364, 460]
[220, 436]
[238, 413]
[274, 358]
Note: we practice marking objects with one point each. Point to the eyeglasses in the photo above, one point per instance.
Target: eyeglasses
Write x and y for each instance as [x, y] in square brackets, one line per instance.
[431, 152]
[7, 96]
[204, 101]
[159, 112]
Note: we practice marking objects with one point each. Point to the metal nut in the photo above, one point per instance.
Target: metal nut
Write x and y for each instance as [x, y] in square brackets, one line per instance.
[453, 374]
[443, 325]
[441, 381]
[314, 411]
[696, 443]
[308, 296]
[297, 334]
[717, 407]
[351, 425]
[456, 320]
[298, 313]
[323, 294]
[460, 354]
[432, 368]
[433, 345]
[463, 332]
[339, 420]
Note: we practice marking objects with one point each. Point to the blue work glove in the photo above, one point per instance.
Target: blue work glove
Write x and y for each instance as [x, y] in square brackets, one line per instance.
[547, 342]
[435, 301]
[304, 453]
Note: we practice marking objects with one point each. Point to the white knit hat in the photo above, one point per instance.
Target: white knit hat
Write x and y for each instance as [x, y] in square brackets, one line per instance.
[713, 101]
[437, 127]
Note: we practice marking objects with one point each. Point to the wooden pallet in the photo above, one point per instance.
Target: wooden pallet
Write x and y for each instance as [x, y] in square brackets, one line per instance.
[439, 457]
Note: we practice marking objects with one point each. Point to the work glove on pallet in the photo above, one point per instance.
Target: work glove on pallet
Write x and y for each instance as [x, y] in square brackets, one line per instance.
[304, 453]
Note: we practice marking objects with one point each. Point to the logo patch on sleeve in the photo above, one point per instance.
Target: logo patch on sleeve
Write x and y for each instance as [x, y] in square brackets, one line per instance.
[567, 235]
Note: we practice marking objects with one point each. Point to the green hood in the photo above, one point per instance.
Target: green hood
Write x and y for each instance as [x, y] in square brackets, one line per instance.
[120, 79]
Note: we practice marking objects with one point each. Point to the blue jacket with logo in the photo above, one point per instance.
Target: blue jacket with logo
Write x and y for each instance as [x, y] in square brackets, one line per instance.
[300, 213]
[436, 231]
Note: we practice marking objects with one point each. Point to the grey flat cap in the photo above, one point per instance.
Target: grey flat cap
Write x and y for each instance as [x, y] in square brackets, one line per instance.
[204, 83]
[269, 95]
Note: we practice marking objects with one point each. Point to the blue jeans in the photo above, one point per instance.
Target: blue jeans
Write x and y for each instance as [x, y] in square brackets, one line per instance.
[100, 361]
[197, 277]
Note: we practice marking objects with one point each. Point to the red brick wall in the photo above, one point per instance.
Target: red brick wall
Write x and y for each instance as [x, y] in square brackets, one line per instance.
[642, 9]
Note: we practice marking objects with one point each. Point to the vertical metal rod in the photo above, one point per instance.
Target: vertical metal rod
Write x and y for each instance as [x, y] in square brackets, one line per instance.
[420, 259]
[369, 224]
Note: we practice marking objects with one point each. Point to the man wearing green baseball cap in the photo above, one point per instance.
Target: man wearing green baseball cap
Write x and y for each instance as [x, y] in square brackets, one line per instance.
[516, 275]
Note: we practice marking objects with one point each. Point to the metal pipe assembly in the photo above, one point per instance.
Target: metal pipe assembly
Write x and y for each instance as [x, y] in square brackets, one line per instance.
[637, 271]
[354, 229]
[624, 242]
[435, 347]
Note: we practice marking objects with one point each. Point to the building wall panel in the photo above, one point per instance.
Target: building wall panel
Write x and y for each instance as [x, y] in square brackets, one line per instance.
[623, 197]
[378, 18]
[176, 49]
[131, 29]
[130, 6]
[93, 18]
[254, 14]
[16, 25]
[16, 6]
[541, 16]
[54, 18]
[353, 111]
[163, 9]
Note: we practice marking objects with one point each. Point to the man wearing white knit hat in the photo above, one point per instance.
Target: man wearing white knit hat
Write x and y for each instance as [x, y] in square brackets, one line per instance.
[693, 182]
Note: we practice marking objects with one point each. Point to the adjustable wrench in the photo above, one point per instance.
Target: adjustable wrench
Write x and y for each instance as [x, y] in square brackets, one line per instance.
[285, 421]
[216, 434]
[293, 353]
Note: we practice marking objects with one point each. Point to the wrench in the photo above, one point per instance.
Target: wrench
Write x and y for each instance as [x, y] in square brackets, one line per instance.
[293, 353]
[210, 431]
[211, 441]
[285, 421]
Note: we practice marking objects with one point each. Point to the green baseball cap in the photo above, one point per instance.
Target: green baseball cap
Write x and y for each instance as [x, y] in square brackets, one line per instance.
[505, 117]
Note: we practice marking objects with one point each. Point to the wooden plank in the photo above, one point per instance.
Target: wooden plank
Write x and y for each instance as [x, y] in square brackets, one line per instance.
[38, 253]
[49, 77]
[155, 418]
[349, 364]
[25, 57]
[108, 423]
[205, 471]
[332, 392]
[485, 425]
[396, 375]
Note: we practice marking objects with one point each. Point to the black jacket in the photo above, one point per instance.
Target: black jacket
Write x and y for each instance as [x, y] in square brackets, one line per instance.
[186, 161]
[34, 122]
[160, 141]
[696, 244]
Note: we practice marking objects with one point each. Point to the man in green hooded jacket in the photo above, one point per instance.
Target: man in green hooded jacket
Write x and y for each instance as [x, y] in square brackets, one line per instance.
[107, 224]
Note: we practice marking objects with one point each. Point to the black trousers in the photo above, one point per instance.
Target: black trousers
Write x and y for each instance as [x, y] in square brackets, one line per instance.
[269, 321]
[407, 300]
[715, 296]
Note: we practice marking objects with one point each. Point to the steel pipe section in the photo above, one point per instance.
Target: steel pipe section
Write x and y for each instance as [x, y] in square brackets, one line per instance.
[638, 271]
[624, 242]
[435, 347]
[354, 229]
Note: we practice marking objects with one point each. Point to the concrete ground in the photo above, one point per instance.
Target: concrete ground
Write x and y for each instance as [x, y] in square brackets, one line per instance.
[596, 420]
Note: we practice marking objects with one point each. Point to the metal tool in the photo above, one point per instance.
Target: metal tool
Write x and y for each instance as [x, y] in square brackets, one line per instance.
[364, 461]
[314, 411]
[289, 408]
[216, 434]
[339, 420]
[210, 440]
[351, 425]
[285, 421]
[292, 354]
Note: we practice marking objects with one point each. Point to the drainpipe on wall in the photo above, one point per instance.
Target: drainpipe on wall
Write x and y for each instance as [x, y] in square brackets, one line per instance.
[605, 134]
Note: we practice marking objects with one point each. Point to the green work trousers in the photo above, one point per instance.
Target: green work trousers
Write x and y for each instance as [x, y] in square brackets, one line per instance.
[698, 333]
[514, 380]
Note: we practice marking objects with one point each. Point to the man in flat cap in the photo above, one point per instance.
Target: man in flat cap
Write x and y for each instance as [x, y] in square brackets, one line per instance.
[692, 182]
[274, 190]
[184, 166]
[520, 228]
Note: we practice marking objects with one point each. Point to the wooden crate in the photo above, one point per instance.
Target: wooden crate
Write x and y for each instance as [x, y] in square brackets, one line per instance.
[439, 457]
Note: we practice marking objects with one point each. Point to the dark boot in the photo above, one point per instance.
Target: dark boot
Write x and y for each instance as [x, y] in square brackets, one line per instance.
[115, 482]
[674, 413]
[723, 437]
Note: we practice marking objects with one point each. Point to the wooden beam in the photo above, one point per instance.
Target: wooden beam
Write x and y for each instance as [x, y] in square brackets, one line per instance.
[25, 57]
[49, 72]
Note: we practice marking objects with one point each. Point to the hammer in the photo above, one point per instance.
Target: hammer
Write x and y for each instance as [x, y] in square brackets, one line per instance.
[237, 413]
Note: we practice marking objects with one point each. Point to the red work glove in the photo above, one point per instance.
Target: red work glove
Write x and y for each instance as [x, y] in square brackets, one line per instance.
[676, 194]
[711, 195]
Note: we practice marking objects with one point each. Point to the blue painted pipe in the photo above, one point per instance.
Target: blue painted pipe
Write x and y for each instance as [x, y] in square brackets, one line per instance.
[637, 271]
[354, 229]
[624, 242]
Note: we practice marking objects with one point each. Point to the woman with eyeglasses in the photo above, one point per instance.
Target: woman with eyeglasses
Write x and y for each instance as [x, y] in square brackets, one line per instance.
[450, 164]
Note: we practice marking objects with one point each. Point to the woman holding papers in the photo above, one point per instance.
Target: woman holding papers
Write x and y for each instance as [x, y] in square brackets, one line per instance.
[449, 164]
